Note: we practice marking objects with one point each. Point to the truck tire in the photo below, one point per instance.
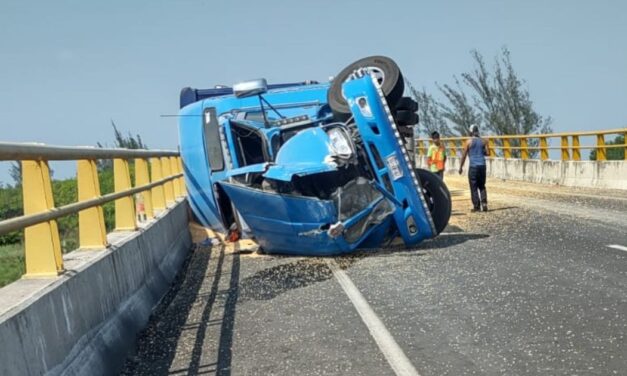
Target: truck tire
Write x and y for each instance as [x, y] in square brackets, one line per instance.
[387, 71]
[405, 117]
[407, 103]
[438, 198]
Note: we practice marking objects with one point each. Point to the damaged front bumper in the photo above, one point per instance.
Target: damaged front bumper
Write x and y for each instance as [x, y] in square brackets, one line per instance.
[356, 214]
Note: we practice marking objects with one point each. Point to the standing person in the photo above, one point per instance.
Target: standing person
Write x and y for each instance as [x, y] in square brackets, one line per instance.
[477, 149]
[436, 156]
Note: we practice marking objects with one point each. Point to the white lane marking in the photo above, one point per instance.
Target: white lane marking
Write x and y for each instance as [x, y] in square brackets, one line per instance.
[390, 349]
[619, 247]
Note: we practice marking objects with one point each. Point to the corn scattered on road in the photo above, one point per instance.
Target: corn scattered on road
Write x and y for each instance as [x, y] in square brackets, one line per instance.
[538, 285]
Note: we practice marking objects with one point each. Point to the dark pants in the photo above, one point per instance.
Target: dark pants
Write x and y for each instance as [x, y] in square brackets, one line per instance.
[440, 174]
[476, 178]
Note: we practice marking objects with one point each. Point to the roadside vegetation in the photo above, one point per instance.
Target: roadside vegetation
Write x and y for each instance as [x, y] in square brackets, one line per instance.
[64, 192]
[612, 154]
[493, 97]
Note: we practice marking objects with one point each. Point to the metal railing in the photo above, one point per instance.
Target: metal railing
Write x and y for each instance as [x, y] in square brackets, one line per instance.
[524, 146]
[158, 187]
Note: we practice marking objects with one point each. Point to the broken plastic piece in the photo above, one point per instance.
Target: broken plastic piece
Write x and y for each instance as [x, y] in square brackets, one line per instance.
[335, 230]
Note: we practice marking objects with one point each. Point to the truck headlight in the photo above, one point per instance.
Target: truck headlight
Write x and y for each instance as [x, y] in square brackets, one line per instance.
[341, 142]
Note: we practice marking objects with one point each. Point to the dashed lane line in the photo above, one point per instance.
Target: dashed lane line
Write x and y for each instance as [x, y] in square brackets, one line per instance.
[390, 349]
[619, 247]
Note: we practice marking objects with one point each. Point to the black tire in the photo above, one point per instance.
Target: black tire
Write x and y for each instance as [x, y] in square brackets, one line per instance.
[407, 103]
[438, 198]
[392, 84]
[406, 131]
[404, 117]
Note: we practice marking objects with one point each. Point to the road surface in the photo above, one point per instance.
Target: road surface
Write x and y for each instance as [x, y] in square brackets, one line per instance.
[538, 285]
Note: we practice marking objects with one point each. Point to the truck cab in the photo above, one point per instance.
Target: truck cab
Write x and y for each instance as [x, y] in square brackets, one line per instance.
[303, 174]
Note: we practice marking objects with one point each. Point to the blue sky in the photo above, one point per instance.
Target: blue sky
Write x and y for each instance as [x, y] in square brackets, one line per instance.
[68, 67]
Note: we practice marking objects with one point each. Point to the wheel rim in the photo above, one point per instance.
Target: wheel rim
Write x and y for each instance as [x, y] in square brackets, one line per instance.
[378, 73]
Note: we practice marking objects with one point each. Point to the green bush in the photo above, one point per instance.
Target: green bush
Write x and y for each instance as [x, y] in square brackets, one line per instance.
[612, 154]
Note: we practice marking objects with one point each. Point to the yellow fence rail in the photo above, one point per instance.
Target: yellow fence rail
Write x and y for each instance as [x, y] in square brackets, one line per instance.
[42, 247]
[522, 146]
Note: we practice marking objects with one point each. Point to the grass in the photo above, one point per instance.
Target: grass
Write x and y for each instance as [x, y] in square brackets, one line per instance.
[11, 263]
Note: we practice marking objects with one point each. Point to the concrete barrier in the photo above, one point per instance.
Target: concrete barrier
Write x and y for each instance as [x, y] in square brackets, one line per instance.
[85, 321]
[585, 174]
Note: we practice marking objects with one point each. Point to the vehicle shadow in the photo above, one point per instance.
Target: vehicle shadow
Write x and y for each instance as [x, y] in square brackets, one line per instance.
[449, 240]
[183, 320]
[156, 345]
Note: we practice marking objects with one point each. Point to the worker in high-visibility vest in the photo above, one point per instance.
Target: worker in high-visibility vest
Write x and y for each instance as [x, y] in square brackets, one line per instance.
[436, 156]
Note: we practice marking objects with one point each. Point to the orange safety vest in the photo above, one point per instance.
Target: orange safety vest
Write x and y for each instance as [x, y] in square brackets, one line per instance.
[435, 157]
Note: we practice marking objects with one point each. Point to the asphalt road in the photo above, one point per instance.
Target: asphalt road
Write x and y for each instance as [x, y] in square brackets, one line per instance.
[529, 288]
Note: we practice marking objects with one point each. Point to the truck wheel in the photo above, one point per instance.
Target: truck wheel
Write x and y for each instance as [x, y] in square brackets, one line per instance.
[407, 103]
[405, 117]
[386, 71]
[437, 196]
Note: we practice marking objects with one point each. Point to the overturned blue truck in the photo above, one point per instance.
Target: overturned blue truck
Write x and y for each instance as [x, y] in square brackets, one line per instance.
[311, 168]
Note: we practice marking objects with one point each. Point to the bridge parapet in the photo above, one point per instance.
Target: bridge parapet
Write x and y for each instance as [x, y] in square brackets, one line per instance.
[536, 146]
[526, 158]
[158, 185]
[79, 313]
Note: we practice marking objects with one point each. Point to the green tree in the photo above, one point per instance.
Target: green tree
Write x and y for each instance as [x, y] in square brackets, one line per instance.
[503, 100]
[121, 141]
[495, 99]
[431, 118]
[10, 207]
[15, 171]
[459, 110]
[65, 192]
[612, 154]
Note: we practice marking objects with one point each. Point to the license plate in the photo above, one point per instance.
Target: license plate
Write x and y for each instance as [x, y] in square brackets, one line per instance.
[394, 167]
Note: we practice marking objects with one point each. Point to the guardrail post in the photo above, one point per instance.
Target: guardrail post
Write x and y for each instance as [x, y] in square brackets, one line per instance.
[92, 233]
[491, 149]
[182, 178]
[625, 142]
[452, 148]
[124, 207]
[167, 187]
[601, 154]
[142, 178]
[507, 152]
[419, 149]
[544, 149]
[156, 174]
[565, 153]
[42, 247]
[176, 183]
[524, 151]
[575, 149]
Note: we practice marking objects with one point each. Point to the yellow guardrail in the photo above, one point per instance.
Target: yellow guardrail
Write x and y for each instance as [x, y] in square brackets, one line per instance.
[159, 185]
[570, 146]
